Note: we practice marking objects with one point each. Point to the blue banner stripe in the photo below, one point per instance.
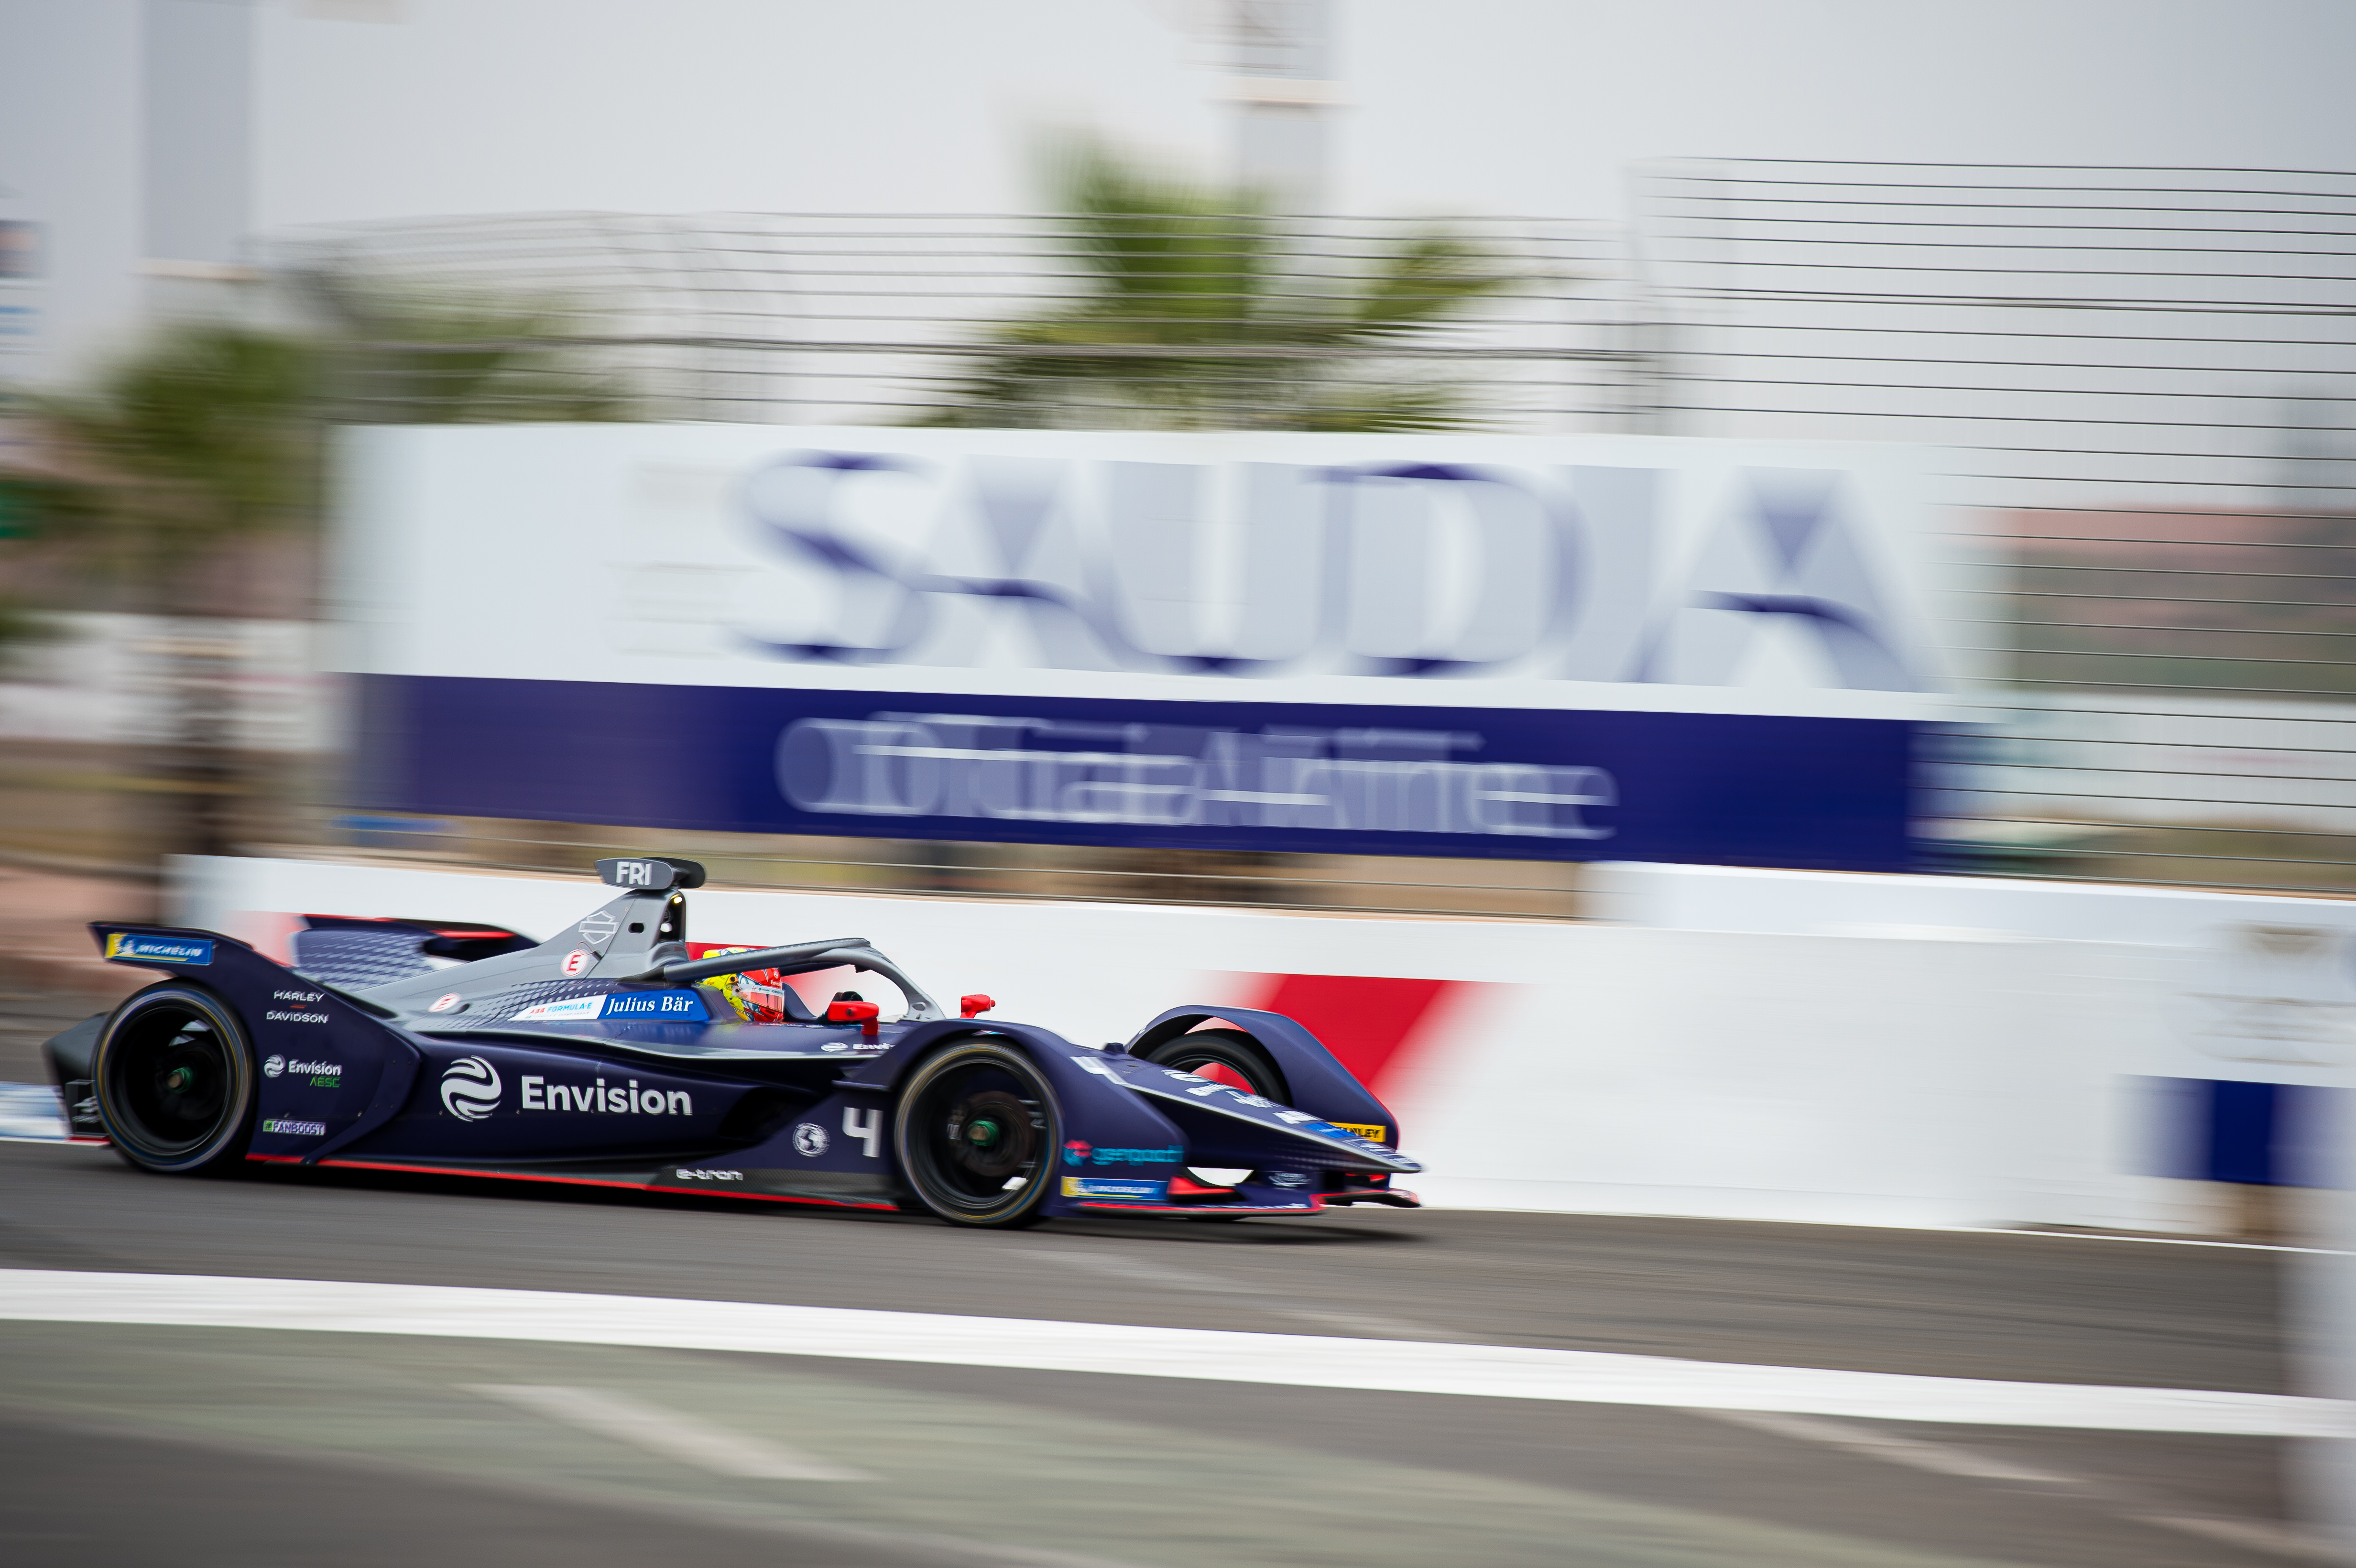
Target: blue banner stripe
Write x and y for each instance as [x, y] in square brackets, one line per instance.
[1730, 789]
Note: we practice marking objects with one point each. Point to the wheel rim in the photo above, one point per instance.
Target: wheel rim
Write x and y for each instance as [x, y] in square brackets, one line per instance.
[981, 1136]
[173, 1080]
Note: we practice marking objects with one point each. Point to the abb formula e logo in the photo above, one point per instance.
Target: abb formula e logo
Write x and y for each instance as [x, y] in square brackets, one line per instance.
[470, 1089]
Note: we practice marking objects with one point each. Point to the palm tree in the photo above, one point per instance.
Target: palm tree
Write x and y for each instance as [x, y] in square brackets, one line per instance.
[209, 433]
[1196, 310]
[410, 355]
[201, 435]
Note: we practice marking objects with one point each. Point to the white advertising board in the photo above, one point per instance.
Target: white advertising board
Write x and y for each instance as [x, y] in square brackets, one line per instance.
[1523, 647]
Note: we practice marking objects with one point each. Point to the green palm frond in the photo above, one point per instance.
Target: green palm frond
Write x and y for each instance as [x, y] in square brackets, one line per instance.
[1193, 310]
[423, 356]
[210, 430]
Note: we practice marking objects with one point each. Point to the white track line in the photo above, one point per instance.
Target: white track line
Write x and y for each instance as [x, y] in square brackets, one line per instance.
[684, 1438]
[1492, 1372]
[2143, 1240]
[1944, 1460]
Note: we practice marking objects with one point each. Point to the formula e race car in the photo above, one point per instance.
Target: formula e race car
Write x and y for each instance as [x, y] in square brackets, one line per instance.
[621, 1054]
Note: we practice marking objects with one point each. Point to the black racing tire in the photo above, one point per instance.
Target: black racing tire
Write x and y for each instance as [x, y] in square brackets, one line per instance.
[976, 1133]
[1230, 1049]
[175, 1080]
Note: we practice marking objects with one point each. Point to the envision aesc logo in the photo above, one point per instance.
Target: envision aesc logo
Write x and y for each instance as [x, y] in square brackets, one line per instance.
[470, 1089]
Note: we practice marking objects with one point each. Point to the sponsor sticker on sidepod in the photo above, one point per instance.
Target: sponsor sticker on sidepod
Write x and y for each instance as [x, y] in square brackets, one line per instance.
[674, 1006]
[470, 1088]
[158, 949]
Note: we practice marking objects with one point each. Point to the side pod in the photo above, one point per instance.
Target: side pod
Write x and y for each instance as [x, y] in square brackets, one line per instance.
[329, 1073]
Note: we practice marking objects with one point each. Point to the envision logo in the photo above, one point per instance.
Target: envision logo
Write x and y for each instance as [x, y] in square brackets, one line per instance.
[539, 1094]
[470, 1089]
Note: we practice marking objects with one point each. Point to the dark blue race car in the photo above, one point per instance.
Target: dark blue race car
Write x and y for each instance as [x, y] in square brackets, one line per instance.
[618, 1053]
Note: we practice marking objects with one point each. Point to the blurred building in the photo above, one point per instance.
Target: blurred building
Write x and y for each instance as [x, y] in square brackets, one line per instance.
[2137, 379]
[148, 139]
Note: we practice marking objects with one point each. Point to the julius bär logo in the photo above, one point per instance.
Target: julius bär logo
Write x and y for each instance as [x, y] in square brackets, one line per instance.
[470, 1089]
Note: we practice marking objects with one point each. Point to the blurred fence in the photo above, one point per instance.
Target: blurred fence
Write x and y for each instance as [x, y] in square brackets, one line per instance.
[885, 318]
[2141, 385]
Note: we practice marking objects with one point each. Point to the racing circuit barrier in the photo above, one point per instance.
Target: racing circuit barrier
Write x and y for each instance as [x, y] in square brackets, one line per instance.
[1907, 1075]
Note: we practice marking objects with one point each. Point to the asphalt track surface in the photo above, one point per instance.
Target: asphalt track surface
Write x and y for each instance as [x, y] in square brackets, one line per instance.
[122, 1443]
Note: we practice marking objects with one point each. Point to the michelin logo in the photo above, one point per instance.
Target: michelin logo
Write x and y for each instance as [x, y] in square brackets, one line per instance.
[470, 1089]
[158, 949]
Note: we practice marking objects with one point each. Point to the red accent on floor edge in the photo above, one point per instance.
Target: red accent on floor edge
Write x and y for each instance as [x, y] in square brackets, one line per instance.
[586, 1181]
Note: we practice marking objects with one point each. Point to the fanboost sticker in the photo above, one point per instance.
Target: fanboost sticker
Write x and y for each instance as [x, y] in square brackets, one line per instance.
[674, 1006]
[143, 948]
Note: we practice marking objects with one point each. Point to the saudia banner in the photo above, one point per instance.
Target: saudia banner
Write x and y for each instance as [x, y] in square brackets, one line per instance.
[1574, 647]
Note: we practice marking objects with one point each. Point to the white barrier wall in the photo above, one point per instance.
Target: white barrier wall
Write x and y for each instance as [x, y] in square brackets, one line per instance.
[2252, 988]
[1923, 1080]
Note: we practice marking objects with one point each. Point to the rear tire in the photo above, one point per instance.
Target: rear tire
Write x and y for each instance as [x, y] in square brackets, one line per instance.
[976, 1132]
[175, 1082]
[1230, 1056]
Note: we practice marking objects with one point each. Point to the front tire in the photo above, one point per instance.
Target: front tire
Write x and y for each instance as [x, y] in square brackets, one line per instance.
[1227, 1056]
[175, 1082]
[976, 1133]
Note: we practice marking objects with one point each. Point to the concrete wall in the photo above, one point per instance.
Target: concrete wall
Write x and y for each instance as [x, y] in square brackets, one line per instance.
[2252, 988]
